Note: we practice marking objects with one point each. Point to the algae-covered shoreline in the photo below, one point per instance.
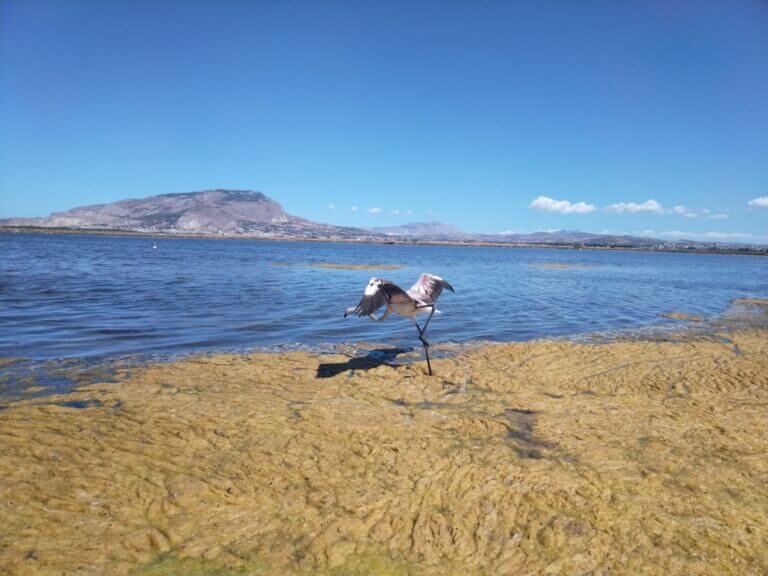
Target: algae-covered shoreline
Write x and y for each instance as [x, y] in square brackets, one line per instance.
[541, 457]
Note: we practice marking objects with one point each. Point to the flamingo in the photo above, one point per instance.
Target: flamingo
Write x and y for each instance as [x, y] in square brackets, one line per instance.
[418, 299]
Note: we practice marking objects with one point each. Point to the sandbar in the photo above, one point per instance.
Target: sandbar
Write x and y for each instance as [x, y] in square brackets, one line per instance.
[681, 316]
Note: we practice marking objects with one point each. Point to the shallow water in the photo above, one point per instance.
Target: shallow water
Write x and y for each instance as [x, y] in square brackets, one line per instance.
[105, 297]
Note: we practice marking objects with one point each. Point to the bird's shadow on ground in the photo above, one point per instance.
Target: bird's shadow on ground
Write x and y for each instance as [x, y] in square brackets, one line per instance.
[374, 358]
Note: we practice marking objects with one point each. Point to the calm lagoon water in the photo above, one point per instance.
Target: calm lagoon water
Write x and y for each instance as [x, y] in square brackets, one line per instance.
[100, 297]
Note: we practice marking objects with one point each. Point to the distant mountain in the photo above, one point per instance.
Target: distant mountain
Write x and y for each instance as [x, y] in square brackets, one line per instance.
[212, 211]
[568, 237]
[447, 232]
[424, 230]
[252, 213]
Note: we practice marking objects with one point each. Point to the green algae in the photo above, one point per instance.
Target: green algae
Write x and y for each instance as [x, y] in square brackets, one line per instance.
[170, 565]
[358, 564]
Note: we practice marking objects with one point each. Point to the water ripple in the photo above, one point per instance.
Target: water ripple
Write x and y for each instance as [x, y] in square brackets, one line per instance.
[94, 296]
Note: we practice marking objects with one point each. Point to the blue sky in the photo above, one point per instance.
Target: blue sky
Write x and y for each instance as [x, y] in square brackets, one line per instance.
[494, 116]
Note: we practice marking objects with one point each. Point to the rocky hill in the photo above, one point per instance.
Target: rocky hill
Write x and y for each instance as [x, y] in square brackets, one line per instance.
[212, 211]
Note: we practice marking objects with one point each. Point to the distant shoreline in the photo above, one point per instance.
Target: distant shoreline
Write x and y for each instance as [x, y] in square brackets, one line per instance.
[373, 240]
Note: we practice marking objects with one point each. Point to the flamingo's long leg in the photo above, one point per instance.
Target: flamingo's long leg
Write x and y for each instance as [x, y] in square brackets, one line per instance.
[424, 329]
[425, 344]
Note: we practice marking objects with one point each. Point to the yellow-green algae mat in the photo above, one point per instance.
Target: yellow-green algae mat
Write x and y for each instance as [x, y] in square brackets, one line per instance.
[357, 564]
[531, 458]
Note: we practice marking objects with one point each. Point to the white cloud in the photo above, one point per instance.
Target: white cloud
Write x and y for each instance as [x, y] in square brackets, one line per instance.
[408, 212]
[649, 206]
[431, 212]
[375, 210]
[394, 212]
[548, 204]
[331, 206]
[761, 202]
[690, 213]
[353, 209]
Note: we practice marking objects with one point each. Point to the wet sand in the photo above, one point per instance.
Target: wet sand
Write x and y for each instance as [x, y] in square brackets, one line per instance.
[631, 457]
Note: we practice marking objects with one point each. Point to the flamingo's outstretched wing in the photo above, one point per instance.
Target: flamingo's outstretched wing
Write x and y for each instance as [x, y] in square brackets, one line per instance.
[428, 288]
[377, 293]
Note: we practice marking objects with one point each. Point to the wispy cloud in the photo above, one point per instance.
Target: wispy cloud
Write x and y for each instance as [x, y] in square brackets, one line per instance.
[431, 212]
[408, 212]
[331, 206]
[547, 204]
[761, 202]
[353, 209]
[650, 206]
[375, 210]
[686, 212]
[683, 211]
[394, 212]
